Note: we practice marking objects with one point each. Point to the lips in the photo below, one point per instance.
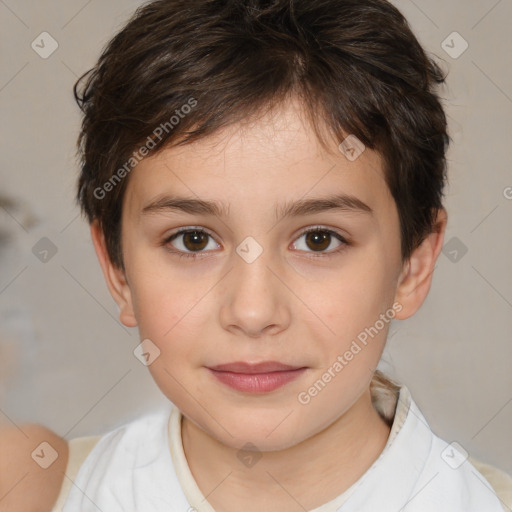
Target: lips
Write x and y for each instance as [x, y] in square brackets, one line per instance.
[250, 368]
[256, 377]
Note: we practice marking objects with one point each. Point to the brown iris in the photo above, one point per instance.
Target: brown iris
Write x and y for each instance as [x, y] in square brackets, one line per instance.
[195, 240]
[320, 240]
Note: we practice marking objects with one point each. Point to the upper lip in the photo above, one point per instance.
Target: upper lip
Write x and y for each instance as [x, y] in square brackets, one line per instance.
[263, 367]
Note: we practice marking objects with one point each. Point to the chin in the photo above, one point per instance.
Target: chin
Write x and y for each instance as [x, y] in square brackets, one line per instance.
[267, 432]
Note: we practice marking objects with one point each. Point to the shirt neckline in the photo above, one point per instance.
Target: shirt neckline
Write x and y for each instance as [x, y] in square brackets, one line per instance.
[196, 498]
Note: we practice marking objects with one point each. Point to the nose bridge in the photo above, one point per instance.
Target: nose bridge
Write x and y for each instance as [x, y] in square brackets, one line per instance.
[254, 298]
[251, 273]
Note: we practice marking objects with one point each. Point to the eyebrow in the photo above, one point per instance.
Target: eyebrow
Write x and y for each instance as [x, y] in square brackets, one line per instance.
[340, 202]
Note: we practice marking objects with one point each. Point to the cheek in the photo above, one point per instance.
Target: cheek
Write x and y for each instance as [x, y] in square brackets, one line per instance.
[351, 306]
[167, 316]
[160, 305]
[354, 296]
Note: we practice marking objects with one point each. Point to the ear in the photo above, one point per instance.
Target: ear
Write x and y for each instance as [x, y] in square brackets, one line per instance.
[416, 276]
[114, 277]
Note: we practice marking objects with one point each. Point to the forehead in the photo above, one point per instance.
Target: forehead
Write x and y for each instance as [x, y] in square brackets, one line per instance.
[261, 164]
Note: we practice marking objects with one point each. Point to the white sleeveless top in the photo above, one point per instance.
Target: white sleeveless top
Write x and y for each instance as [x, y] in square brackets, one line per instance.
[141, 467]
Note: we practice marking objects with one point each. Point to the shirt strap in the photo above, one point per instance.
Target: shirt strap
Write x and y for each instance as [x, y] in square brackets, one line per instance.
[79, 448]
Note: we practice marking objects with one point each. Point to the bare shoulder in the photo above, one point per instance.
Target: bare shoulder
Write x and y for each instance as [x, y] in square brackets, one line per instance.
[33, 460]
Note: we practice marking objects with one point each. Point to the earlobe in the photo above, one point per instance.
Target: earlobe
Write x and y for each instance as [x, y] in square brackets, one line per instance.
[416, 277]
[114, 277]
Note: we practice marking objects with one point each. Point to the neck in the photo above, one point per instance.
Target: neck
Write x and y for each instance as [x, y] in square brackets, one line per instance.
[303, 476]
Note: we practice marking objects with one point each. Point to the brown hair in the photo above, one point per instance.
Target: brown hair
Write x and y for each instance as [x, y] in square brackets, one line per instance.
[355, 64]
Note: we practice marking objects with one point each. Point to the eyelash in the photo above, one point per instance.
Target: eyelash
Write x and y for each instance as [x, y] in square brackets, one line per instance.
[194, 255]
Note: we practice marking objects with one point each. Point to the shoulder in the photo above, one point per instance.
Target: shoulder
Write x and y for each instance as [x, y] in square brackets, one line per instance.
[478, 486]
[106, 476]
[130, 442]
[443, 477]
[500, 481]
[79, 450]
[32, 467]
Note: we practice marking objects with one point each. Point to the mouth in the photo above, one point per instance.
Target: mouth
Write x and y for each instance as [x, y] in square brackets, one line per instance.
[256, 377]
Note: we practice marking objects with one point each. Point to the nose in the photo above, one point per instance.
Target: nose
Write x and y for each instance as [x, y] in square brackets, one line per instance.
[254, 301]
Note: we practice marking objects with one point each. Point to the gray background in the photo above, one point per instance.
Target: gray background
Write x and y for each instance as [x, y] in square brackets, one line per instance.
[66, 362]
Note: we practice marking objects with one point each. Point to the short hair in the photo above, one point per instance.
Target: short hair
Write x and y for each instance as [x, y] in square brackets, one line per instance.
[179, 70]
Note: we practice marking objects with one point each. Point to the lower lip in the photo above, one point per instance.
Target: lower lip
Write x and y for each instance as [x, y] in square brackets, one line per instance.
[257, 382]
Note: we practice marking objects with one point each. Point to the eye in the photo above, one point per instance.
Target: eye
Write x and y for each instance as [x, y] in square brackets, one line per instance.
[189, 241]
[319, 239]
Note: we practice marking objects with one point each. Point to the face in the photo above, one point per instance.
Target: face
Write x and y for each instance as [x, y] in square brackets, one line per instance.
[248, 283]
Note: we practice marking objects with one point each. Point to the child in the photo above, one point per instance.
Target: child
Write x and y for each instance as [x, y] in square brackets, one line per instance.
[264, 184]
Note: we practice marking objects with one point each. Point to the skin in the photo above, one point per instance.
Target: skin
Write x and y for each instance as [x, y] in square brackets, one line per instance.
[24, 485]
[289, 305]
